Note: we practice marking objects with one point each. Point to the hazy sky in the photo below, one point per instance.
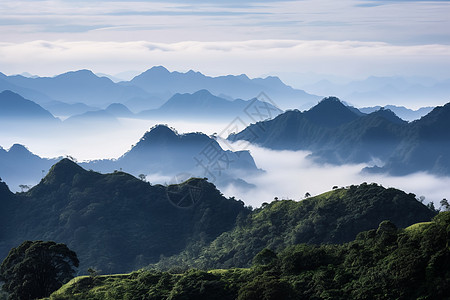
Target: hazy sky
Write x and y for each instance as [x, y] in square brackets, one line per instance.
[286, 38]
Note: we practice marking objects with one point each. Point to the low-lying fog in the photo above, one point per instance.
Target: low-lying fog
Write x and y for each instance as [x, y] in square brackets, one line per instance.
[289, 174]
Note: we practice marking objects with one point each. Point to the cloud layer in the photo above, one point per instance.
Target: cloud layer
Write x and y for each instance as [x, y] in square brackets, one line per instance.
[354, 38]
[390, 21]
[290, 175]
[254, 57]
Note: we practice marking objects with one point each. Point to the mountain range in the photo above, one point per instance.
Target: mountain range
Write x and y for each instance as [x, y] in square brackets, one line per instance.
[335, 133]
[205, 106]
[159, 79]
[201, 105]
[333, 217]
[401, 111]
[163, 151]
[15, 108]
[81, 86]
[148, 90]
[406, 91]
[116, 222]
[18, 166]
[160, 151]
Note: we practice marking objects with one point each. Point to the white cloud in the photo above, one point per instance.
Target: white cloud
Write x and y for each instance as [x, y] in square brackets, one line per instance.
[417, 22]
[290, 174]
[254, 57]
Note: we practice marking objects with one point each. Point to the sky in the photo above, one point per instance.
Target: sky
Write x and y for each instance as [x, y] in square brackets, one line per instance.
[348, 38]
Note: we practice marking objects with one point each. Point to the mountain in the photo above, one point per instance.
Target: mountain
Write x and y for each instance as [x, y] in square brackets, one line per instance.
[148, 90]
[18, 166]
[382, 263]
[425, 146]
[403, 147]
[25, 92]
[93, 119]
[159, 79]
[119, 110]
[14, 107]
[295, 130]
[100, 119]
[330, 112]
[163, 151]
[204, 105]
[75, 87]
[62, 109]
[401, 111]
[397, 90]
[331, 218]
[116, 222]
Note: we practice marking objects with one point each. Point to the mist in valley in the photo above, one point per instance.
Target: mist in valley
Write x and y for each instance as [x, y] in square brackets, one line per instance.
[287, 174]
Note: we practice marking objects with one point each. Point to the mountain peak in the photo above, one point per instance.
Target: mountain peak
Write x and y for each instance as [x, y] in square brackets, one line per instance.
[203, 93]
[9, 94]
[63, 172]
[389, 115]
[13, 105]
[330, 112]
[438, 114]
[330, 99]
[18, 149]
[158, 70]
[78, 74]
[158, 133]
[118, 109]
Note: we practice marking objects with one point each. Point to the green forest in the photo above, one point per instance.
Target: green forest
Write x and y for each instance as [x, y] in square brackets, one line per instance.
[382, 263]
[120, 237]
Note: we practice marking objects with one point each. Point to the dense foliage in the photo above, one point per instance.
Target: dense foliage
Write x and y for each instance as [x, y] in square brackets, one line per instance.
[115, 222]
[36, 269]
[333, 217]
[383, 263]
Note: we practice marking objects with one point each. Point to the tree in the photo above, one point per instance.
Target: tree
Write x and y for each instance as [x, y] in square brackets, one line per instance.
[431, 206]
[265, 257]
[36, 269]
[445, 206]
[142, 177]
[24, 187]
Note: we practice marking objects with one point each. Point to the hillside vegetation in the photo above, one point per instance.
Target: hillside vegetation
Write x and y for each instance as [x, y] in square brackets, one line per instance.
[383, 263]
[115, 222]
[333, 217]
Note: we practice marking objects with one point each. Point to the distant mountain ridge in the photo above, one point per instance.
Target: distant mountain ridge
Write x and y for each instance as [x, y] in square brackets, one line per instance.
[163, 151]
[18, 166]
[15, 107]
[401, 111]
[386, 90]
[204, 105]
[404, 147]
[160, 79]
[160, 151]
[148, 90]
[77, 86]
